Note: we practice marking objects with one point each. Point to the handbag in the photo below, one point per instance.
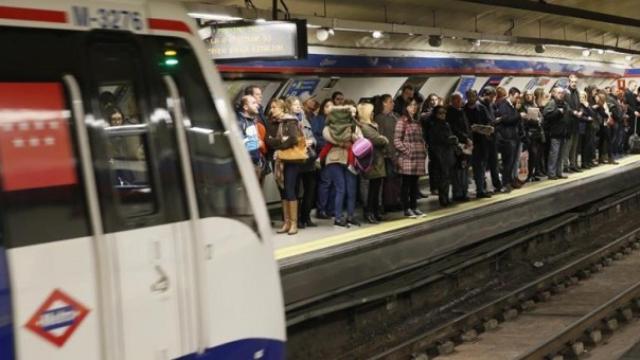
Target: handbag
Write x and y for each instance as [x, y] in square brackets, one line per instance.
[296, 153]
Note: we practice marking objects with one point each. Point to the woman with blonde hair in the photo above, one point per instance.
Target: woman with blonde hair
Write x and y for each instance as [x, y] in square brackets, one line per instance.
[282, 134]
[377, 171]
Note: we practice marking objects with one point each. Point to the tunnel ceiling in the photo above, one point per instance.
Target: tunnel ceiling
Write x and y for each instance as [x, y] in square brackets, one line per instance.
[467, 17]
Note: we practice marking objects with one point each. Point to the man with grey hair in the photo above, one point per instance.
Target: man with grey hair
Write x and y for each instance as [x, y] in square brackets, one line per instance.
[460, 128]
[556, 115]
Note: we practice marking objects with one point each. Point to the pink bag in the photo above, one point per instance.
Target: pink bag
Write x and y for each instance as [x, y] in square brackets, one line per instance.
[362, 150]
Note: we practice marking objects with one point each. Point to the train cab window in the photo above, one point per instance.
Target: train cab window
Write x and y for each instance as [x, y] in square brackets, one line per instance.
[125, 131]
[219, 186]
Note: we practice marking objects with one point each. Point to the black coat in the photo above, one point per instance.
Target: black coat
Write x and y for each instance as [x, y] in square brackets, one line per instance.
[442, 146]
[573, 100]
[457, 120]
[615, 108]
[485, 115]
[631, 99]
[510, 122]
[556, 121]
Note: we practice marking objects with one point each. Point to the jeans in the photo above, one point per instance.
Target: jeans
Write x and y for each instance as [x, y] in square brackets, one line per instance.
[557, 151]
[326, 191]
[409, 192]
[291, 171]
[346, 186]
[574, 142]
[516, 161]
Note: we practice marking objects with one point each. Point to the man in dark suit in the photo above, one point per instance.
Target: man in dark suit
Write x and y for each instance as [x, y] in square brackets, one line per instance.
[507, 121]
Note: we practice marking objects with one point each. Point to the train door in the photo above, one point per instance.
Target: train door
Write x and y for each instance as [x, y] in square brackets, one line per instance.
[141, 204]
[242, 284]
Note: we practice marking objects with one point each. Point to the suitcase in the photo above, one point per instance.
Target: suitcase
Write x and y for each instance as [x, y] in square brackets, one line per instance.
[634, 139]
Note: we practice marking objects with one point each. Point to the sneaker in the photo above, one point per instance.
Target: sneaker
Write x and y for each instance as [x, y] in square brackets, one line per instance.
[563, 177]
[341, 222]
[353, 221]
[409, 213]
[322, 215]
[483, 196]
[418, 213]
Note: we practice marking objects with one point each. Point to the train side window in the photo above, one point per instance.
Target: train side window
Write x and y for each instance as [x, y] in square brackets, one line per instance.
[42, 195]
[219, 186]
[127, 143]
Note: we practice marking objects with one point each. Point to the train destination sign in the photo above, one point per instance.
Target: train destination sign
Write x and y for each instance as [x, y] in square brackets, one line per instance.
[258, 40]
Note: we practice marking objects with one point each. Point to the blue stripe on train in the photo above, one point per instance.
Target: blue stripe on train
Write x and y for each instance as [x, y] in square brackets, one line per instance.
[260, 349]
[373, 64]
[6, 323]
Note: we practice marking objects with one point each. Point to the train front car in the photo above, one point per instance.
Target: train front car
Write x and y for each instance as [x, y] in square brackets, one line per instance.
[132, 224]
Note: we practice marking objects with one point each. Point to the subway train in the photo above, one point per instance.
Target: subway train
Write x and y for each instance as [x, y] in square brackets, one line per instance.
[132, 225]
[364, 73]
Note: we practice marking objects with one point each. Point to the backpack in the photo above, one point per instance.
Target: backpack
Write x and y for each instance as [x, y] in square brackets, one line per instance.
[363, 153]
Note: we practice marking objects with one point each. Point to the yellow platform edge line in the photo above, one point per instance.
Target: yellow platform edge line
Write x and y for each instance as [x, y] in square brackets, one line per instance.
[354, 235]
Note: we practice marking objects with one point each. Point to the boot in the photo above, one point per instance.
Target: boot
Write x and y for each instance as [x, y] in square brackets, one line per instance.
[293, 213]
[286, 225]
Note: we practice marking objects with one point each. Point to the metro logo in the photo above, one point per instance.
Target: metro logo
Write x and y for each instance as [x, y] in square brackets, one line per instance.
[35, 144]
[57, 318]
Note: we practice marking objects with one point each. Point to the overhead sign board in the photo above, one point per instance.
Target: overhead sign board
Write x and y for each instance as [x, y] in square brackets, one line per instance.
[258, 40]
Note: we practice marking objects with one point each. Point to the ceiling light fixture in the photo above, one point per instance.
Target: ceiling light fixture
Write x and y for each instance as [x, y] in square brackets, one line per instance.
[322, 34]
[376, 34]
[214, 17]
[586, 52]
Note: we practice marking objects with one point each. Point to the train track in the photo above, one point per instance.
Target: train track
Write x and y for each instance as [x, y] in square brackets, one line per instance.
[562, 314]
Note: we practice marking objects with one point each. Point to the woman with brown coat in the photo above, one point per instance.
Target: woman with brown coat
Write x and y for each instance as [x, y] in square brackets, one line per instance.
[412, 154]
[378, 171]
[283, 133]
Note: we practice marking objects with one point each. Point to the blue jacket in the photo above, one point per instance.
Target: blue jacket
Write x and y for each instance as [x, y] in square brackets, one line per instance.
[317, 125]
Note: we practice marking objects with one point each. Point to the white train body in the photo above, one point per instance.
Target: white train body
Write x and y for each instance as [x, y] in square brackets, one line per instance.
[145, 238]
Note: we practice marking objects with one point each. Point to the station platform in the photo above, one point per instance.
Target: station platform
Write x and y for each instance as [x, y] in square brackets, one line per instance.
[318, 261]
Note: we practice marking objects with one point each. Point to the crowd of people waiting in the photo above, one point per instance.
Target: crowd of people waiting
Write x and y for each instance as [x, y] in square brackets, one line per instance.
[325, 154]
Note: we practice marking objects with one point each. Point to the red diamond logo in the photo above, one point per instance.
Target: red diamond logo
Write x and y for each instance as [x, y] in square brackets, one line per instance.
[57, 318]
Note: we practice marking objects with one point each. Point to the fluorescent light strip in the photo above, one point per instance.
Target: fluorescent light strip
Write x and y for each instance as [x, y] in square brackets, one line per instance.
[218, 17]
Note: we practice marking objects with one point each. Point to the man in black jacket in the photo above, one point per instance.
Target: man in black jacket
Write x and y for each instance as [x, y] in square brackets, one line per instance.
[460, 128]
[401, 102]
[631, 98]
[573, 100]
[507, 123]
[556, 114]
[483, 140]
